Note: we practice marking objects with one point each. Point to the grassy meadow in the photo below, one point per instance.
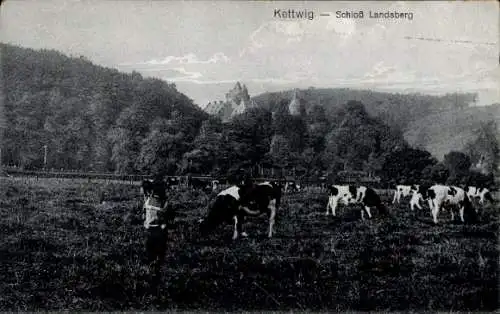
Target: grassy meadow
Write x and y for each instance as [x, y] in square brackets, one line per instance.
[78, 245]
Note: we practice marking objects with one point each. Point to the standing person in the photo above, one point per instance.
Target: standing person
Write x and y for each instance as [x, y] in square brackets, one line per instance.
[158, 214]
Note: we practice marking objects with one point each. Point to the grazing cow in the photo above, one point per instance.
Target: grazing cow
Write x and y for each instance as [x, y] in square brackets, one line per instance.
[236, 202]
[354, 195]
[481, 193]
[292, 186]
[336, 193]
[157, 216]
[403, 191]
[415, 200]
[442, 195]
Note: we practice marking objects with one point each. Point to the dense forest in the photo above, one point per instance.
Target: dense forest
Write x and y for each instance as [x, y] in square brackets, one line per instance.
[397, 110]
[90, 117]
[437, 124]
[93, 118]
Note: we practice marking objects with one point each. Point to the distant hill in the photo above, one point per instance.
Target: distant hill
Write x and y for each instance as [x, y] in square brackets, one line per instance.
[434, 123]
[442, 132]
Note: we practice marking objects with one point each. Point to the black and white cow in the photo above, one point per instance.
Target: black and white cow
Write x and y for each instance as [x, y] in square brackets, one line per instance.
[415, 199]
[236, 202]
[439, 196]
[481, 193]
[349, 194]
[157, 215]
[292, 186]
[418, 192]
[403, 191]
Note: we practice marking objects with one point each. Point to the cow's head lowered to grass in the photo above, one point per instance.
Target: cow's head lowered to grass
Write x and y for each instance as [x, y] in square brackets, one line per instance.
[235, 203]
[222, 210]
[348, 194]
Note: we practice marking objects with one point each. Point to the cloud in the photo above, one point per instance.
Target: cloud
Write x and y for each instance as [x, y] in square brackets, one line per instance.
[256, 39]
[180, 74]
[190, 58]
[173, 68]
[272, 80]
[275, 33]
[279, 81]
[485, 83]
[212, 82]
[380, 70]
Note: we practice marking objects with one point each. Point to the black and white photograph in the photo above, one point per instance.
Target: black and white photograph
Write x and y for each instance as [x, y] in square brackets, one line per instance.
[230, 156]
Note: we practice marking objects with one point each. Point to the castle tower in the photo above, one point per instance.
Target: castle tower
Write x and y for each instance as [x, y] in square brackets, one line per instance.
[295, 106]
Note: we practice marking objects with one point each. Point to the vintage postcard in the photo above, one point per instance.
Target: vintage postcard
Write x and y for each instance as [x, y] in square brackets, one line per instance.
[249, 155]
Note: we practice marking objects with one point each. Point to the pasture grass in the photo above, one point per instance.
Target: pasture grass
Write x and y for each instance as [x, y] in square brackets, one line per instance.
[77, 245]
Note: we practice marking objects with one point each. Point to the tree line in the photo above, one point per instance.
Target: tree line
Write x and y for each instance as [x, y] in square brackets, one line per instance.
[97, 119]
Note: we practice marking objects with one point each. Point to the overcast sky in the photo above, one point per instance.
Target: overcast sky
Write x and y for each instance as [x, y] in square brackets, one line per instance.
[205, 47]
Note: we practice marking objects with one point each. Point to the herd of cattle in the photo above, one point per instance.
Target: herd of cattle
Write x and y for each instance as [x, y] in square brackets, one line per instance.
[213, 185]
[439, 196]
[250, 199]
[234, 204]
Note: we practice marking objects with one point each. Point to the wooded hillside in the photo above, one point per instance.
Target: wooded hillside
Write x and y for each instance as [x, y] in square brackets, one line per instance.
[94, 118]
[438, 124]
[90, 117]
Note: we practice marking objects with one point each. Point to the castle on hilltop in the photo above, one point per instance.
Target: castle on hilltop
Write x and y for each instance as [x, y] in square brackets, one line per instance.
[238, 100]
